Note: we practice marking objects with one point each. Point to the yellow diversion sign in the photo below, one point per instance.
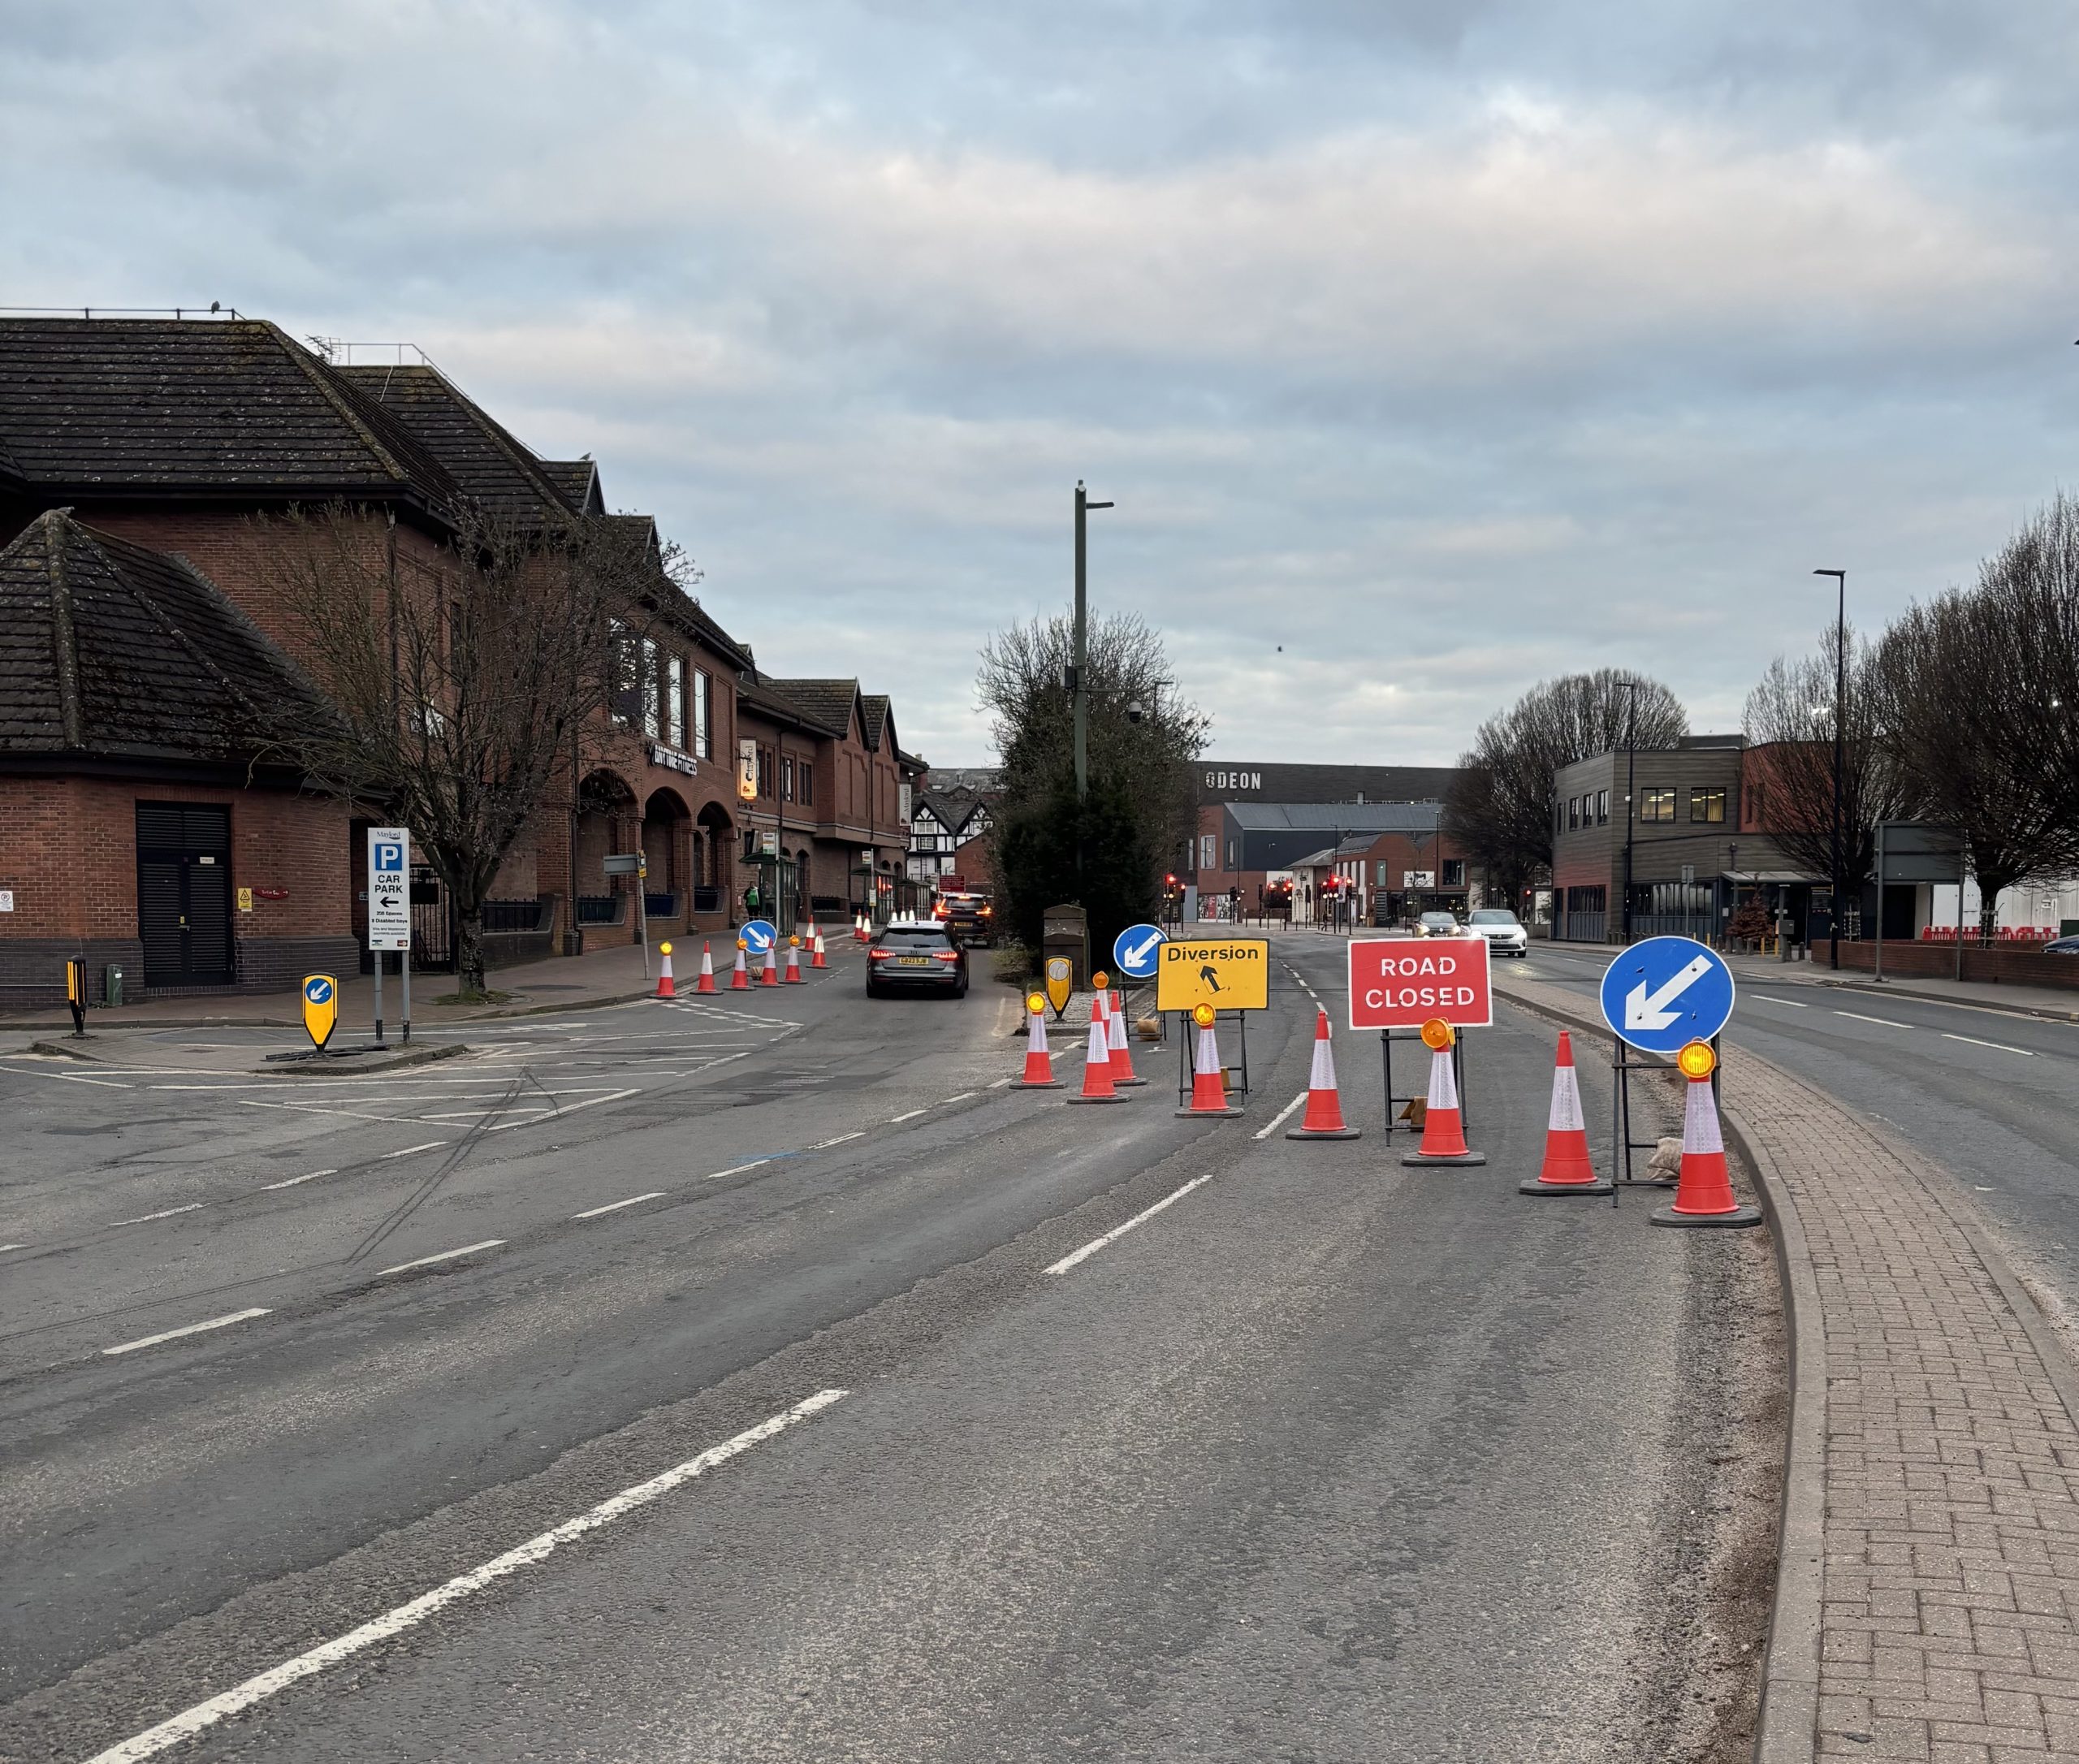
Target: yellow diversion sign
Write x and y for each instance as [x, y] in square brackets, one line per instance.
[321, 1008]
[1229, 974]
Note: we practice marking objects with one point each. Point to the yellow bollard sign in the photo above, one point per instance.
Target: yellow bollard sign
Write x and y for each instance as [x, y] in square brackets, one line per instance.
[321, 1008]
[1228, 973]
[1061, 982]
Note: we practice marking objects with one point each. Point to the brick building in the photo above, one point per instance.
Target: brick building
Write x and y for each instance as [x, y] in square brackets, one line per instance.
[166, 439]
[1394, 853]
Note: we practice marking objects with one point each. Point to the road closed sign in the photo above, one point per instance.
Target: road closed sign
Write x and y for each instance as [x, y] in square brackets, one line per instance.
[1402, 983]
[1228, 973]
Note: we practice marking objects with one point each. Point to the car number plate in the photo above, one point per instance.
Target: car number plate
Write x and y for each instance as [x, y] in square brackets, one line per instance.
[913, 962]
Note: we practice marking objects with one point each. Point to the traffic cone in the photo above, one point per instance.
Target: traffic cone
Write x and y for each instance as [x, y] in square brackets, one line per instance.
[706, 984]
[817, 961]
[769, 975]
[1443, 1133]
[1097, 1086]
[1323, 1119]
[1208, 1095]
[1567, 1169]
[1704, 1195]
[1115, 1036]
[794, 965]
[1038, 1063]
[740, 981]
[665, 989]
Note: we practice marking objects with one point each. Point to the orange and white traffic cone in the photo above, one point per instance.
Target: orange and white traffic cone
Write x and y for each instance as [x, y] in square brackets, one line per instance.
[740, 981]
[1097, 1085]
[769, 975]
[1209, 1094]
[1323, 1119]
[1115, 1037]
[1443, 1129]
[794, 964]
[817, 961]
[1567, 1169]
[1038, 1063]
[706, 984]
[665, 989]
[1703, 1196]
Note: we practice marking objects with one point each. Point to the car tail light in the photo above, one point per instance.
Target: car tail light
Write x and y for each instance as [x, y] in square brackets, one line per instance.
[879, 955]
[946, 955]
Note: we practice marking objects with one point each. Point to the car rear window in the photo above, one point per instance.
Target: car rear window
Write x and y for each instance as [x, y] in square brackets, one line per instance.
[914, 937]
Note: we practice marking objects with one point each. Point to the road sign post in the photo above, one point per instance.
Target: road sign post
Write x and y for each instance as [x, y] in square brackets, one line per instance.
[1403, 983]
[390, 910]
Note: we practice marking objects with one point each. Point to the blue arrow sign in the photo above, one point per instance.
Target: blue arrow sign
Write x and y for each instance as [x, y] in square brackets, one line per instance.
[759, 935]
[1135, 949]
[1667, 991]
[317, 990]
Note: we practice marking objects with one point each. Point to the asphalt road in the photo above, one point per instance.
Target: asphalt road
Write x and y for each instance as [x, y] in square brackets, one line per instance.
[1991, 1096]
[1324, 1459]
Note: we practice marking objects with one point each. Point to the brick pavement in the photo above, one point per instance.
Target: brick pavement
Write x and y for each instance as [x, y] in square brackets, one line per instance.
[1951, 1459]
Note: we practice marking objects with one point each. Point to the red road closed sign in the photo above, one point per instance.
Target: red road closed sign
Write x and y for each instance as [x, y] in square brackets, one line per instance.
[1401, 983]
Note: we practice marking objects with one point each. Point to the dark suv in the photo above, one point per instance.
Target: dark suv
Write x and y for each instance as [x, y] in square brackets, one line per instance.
[914, 955]
[968, 916]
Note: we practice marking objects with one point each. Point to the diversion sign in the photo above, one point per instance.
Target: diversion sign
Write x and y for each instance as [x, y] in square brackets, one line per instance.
[1227, 973]
[1401, 983]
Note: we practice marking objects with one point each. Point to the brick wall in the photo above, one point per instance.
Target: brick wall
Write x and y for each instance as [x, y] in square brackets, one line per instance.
[1938, 961]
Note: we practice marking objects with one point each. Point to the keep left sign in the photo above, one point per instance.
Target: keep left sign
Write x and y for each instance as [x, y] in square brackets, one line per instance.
[1401, 983]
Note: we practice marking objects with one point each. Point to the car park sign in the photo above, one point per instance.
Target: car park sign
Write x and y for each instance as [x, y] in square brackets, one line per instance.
[1403, 983]
[1667, 991]
[1137, 950]
[759, 935]
[389, 888]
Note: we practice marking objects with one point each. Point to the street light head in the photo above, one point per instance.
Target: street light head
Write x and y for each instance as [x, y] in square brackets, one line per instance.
[1838, 575]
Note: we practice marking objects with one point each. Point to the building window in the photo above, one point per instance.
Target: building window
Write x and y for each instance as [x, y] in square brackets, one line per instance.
[1455, 873]
[808, 785]
[1657, 806]
[646, 682]
[1208, 850]
[1231, 856]
[1380, 881]
[675, 700]
[1573, 813]
[787, 778]
[628, 685]
[765, 771]
[702, 729]
[1602, 808]
[1707, 805]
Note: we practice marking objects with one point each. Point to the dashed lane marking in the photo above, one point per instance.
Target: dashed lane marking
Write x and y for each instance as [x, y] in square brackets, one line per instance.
[444, 1256]
[736, 1169]
[1886, 1020]
[1279, 1119]
[1001, 1083]
[2026, 1053]
[205, 1715]
[911, 1116]
[192, 1329]
[146, 1218]
[824, 1145]
[308, 1176]
[945, 1101]
[1119, 1231]
[615, 1206]
[69, 1077]
[5, 1247]
[1770, 998]
[430, 1145]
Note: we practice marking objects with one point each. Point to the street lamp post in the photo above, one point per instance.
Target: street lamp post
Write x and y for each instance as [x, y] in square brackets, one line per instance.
[1078, 688]
[1631, 799]
[1840, 706]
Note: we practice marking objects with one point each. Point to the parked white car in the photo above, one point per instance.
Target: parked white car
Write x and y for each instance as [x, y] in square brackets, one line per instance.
[1503, 930]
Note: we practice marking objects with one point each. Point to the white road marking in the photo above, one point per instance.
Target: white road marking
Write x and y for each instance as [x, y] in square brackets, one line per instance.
[311, 1176]
[445, 1255]
[71, 1078]
[2026, 1053]
[406, 1151]
[146, 1218]
[205, 1715]
[1886, 1020]
[192, 1329]
[824, 1145]
[1770, 998]
[945, 1101]
[507, 1127]
[911, 1116]
[1278, 1119]
[1119, 1231]
[1000, 1083]
[5, 1247]
[736, 1169]
[615, 1206]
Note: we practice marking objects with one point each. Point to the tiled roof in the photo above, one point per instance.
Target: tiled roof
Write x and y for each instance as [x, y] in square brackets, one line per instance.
[874, 707]
[676, 602]
[211, 407]
[107, 648]
[760, 694]
[579, 482]
[954, 809]
[1373, 818]
[479, 453]
[827, 703]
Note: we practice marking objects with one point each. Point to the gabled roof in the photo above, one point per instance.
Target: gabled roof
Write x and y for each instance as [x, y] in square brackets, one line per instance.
[674, 601]
[203, 408]
[953, 810]
[763, 695]
[874, 708]
[480, 453]
[107, 648]
[579, 482]
[827, 703]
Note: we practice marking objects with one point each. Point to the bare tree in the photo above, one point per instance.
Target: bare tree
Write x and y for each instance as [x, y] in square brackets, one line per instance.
[1789, 721]
[1500, 809]
[463, 690]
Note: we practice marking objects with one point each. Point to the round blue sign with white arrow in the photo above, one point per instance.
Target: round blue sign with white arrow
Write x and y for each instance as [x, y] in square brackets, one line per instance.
[1136, 950]
[318, 988]
[759, 935]
[1663, 993]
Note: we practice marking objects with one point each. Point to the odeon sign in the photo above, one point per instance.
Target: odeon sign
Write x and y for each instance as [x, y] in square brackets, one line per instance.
[1234, 780]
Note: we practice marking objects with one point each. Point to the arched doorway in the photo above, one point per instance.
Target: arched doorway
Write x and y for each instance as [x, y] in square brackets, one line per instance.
[609, 825]
[713, 859]
[667, 831]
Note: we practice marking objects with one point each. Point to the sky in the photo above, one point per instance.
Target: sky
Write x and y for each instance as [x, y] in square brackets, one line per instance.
[1427, 350]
